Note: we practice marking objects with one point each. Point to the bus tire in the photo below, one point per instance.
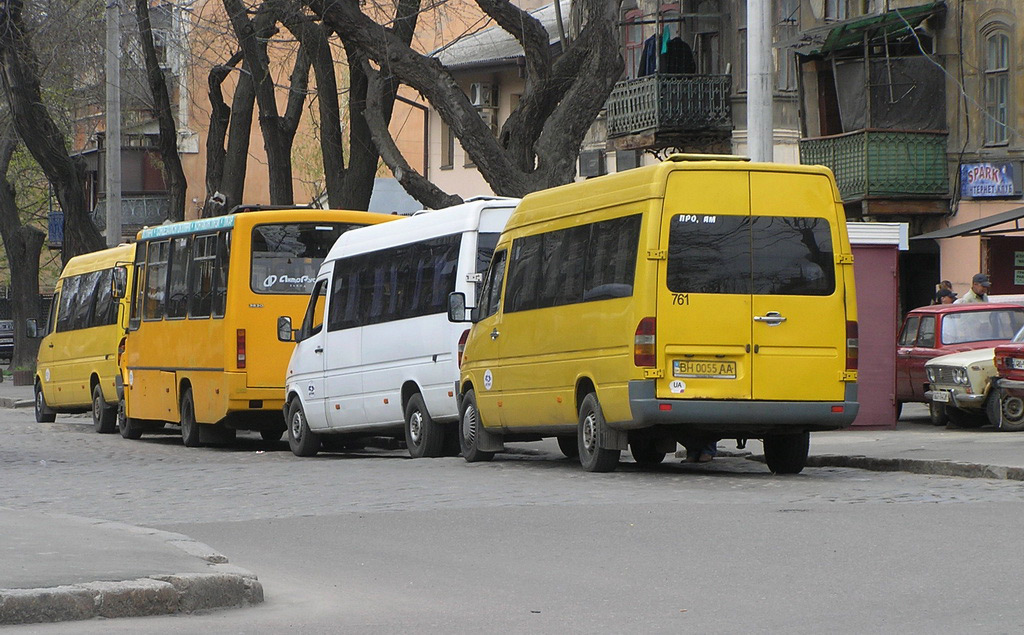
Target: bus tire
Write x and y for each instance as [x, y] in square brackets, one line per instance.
[786, 453]
[423, 437]
[593, 457]
[644, 452]
[301, 440]
[190, 433]
[43, 412]
[469, 430]
[569, 447]
[128, 427]
[104, 417]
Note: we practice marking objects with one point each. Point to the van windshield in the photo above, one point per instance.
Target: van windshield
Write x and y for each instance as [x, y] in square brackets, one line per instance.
[287, 256]
[764, 255]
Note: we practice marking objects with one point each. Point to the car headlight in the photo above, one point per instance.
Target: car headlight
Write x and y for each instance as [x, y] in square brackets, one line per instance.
[960, 376]
[932, 375]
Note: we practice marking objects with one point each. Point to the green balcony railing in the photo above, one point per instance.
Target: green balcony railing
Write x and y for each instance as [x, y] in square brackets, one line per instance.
[669, 103]
[882, 163]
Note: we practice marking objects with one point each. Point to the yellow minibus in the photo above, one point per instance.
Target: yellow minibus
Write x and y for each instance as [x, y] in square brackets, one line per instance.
[201, 350]
[698, 299]
[76, 366]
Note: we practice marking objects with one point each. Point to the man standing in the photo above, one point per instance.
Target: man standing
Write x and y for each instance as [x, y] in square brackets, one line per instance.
[978, 292]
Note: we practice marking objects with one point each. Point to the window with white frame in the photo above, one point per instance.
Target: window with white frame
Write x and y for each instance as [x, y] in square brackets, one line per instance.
[786, 29]
[997, 87]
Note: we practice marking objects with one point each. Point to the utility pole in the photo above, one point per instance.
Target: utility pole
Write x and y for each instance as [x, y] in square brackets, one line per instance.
[760, 128]
[113, 135]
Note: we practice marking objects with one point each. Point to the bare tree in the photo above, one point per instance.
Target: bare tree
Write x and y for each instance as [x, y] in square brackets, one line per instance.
[19, 77]
[539, 143]
[23, 243]
[174, 175]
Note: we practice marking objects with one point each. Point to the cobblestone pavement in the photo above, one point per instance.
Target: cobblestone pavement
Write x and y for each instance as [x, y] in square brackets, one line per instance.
[66, 467]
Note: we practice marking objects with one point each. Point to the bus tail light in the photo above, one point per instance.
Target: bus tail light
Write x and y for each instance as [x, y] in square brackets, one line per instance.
[462, 345]
[852, 345]
[240, 348]
[643, 343]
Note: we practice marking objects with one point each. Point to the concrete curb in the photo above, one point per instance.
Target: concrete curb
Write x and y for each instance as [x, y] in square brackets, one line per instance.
[10, 402]
[224, 586]
[913, 466]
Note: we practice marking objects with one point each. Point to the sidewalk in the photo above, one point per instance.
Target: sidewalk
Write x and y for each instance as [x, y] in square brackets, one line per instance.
[56, 567]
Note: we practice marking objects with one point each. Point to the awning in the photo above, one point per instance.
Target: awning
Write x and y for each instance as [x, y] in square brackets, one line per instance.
[848, 33]
[976, 226]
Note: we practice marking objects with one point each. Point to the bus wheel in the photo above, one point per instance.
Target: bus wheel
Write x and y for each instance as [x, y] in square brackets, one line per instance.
[423, 437]
[786, 453]
[104, 417]
[469, 430]
[593, 457]
[569, 447]
[644, 453]
[128, 427]
[43, 412]
[301, 440]
[189, 426]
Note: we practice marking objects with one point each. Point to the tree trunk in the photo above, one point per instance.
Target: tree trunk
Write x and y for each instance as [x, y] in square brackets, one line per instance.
[22, 244]
[41, 136]
[276, 140]
[225, 169]
[174, 175]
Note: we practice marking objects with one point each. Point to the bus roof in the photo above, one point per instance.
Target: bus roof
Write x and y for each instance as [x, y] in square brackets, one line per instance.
[420, 226]
[98, 260]
[249, 218]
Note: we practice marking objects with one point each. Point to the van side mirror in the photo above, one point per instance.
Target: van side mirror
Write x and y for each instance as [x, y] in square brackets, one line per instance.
[284, 329]
[457, 307]
[32, 328]
[119, 282]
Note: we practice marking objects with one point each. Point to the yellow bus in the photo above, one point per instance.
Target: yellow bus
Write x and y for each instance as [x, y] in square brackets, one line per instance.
[201, 350]
[76, 365]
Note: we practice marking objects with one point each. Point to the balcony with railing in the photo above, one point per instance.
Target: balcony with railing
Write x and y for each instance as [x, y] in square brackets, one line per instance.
[137, 211]
[883, 164]
[666, 108]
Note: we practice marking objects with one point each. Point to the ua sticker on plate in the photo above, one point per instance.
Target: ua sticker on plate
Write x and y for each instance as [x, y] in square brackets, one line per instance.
[488, 380]
[677, 386]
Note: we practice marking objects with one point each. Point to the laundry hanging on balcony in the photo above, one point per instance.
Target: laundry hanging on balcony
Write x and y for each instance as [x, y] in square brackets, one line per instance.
[672, 56]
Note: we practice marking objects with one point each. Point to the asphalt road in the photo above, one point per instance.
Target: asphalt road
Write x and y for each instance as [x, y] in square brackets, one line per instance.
[375, 542]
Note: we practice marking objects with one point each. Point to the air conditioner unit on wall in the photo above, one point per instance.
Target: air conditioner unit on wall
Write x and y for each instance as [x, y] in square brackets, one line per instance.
[481, 95]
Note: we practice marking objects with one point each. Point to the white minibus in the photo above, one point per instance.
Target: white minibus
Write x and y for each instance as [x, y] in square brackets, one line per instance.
[375, 351]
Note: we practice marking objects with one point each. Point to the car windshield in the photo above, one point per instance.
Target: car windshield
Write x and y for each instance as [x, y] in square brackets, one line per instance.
[979, 326]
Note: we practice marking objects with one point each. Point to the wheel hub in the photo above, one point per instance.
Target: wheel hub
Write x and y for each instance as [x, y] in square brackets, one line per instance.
[590, 432]
[296, 426]
[1013, 409]
[416, 426]
[469, 425]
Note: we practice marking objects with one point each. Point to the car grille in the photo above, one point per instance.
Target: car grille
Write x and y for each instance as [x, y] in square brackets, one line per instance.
[944, 374]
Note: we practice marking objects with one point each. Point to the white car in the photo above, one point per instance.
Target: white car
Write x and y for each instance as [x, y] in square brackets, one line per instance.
[962, 383]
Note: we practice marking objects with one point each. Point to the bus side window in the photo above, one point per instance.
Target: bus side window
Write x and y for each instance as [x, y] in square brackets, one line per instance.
[204, 261]
[68, 300]
[313, 320]
[490, 293]
[220, 274]
[177, 277]
[102, 314]
[156, 280]
[138, 280]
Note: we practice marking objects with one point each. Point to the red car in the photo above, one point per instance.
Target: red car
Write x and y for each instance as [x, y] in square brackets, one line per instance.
[930, 331]
[1010, 384]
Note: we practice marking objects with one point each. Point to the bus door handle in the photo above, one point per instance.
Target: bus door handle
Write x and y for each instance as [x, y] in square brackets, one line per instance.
[772, 318]
[495, 334]
[318, 349]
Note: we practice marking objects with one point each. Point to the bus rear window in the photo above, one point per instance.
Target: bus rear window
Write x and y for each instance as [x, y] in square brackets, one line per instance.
[762, 255]
[287, 256]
